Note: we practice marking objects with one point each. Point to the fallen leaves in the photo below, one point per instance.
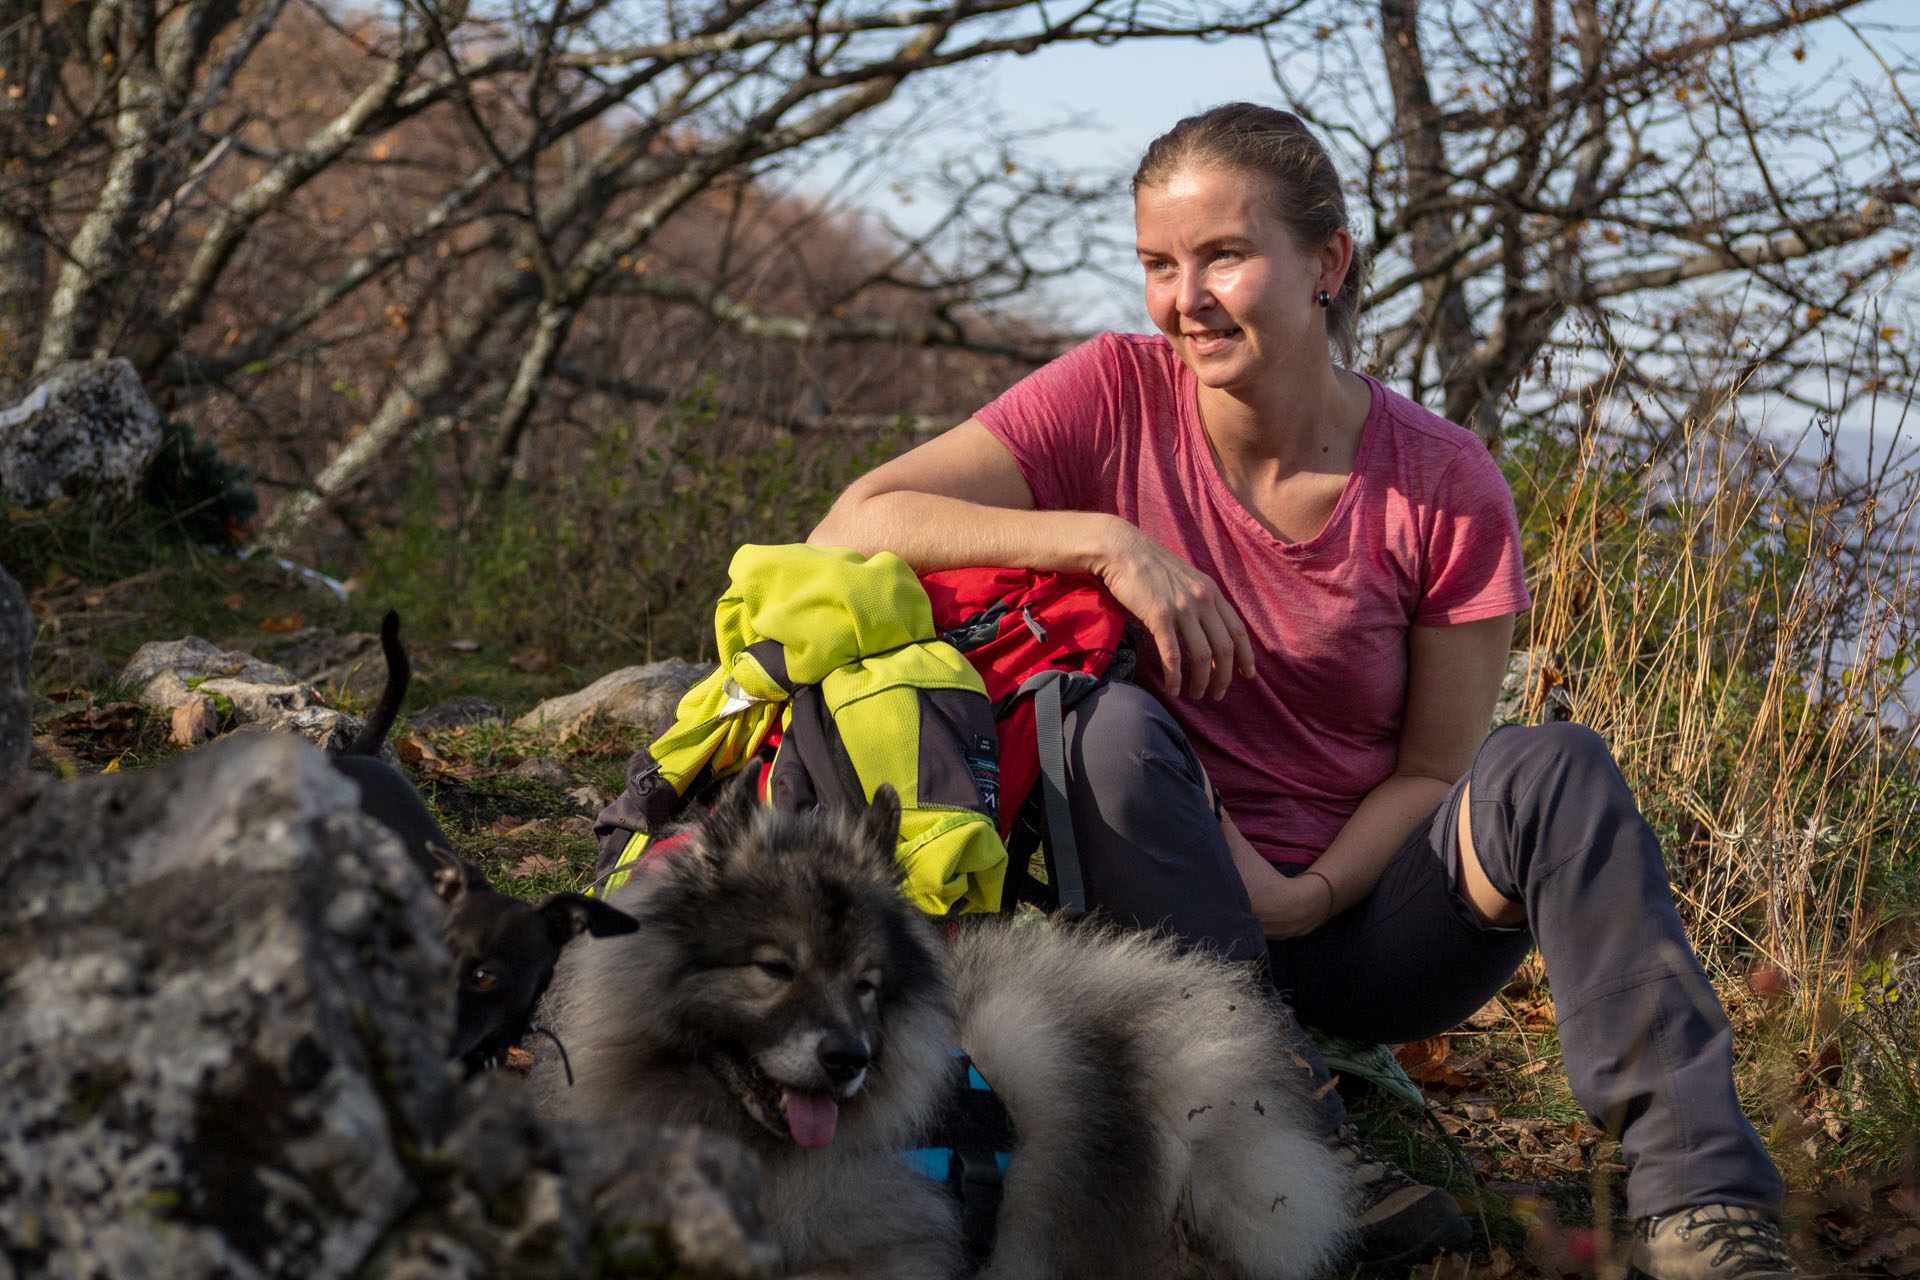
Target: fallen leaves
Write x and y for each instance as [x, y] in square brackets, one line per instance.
[1431, 1065]
[534, 864]
[287, 622]
[416, 752]
[112, 725]
[194, 721]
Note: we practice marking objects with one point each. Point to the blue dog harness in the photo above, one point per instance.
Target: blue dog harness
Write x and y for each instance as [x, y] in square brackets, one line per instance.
[967, 1151]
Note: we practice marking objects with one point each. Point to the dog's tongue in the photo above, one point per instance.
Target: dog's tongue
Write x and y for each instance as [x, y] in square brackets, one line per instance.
[811, 1116]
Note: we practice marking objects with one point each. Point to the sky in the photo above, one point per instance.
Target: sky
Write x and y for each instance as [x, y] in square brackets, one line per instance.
[1128, 93]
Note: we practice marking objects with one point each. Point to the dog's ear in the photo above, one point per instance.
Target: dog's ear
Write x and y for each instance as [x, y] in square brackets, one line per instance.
[880, 824]
[568, 915]
[453, 875]
[727, 826]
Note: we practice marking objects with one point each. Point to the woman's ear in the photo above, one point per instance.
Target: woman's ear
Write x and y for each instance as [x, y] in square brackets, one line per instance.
[1335, 260]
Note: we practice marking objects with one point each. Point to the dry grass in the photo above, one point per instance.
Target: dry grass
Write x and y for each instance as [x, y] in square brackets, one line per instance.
[1738, 623]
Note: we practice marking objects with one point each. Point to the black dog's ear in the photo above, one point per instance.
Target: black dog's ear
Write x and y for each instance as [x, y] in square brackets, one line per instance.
[727, 826]
[880, 824]
[568, 915]
[453, 875]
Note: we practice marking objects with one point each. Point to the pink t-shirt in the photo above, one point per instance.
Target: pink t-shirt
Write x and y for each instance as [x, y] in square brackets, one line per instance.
[1424, 532]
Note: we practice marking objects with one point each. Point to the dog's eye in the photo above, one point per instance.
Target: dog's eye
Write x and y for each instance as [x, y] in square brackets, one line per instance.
[778, 970]
[482, 979]
[865, 987]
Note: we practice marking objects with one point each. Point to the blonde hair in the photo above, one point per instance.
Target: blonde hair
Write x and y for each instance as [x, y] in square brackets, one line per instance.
[1303, 190]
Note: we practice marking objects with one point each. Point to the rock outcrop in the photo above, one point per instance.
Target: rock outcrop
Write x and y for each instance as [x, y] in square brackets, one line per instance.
[223, 1007]
[86, 427]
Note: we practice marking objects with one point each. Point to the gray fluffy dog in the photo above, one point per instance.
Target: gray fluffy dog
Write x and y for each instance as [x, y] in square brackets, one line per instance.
[782, 990]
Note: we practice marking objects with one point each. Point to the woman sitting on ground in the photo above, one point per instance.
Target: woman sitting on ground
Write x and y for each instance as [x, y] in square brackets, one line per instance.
[1330, 575]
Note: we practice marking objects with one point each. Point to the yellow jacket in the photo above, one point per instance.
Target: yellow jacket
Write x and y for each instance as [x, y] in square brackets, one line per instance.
[801, 623]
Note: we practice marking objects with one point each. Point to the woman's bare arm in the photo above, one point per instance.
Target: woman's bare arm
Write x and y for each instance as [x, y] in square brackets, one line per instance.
[961, 499]
[1452, 683]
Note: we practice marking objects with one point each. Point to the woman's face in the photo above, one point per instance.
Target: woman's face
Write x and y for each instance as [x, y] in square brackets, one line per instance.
[1225, 281]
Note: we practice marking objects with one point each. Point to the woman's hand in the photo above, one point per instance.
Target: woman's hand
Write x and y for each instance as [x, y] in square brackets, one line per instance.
[1201, 640]
[1286, 906]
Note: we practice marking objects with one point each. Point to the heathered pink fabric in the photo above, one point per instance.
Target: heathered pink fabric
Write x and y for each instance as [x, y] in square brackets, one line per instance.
[1424, 533]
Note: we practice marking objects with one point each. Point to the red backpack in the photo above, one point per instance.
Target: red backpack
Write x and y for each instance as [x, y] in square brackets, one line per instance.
[1041, 641]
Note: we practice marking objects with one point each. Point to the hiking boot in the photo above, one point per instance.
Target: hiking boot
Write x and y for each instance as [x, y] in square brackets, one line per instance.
[1712, 1242]
[1395, 1218]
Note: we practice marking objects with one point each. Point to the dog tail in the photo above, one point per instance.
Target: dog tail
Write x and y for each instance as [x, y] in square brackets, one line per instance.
[387, 710]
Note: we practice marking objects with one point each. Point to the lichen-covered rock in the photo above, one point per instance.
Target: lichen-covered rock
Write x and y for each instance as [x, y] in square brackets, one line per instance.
[192, 658]
[165, 673]
[86, 427]
[223, 1007]
[642, 697]
[1535, 677]
[16, 704]
[331, 731]
[223, 1012]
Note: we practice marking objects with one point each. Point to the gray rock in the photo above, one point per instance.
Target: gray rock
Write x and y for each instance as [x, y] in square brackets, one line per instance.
[16, 703]
[320, 656]
[545, 770]
[223, 1003]
[221, 1019]
[330, 730]
[86, 427]
[455, 712]
[193, 658]
[165, 673]
[1536, 673]
[589, 799]
[643, 697]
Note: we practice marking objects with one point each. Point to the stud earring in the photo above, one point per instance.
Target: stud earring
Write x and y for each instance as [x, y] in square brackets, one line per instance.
[1324, 298]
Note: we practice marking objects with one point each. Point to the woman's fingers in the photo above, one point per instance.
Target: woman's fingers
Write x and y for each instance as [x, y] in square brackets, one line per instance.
[1201, 641]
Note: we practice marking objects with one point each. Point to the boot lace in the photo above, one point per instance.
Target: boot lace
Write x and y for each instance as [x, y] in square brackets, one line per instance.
[1741, 1246]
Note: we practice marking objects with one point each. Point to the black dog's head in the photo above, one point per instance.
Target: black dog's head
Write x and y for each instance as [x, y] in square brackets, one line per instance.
[504, 951]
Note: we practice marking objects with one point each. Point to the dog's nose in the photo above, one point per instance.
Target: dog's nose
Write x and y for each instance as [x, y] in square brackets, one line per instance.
[844, 1059]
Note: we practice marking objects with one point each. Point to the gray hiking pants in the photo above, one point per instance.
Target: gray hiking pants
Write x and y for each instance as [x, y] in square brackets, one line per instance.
[1647, 1048]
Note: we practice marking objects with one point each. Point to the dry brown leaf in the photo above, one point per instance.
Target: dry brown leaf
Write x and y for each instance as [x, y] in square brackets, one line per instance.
[1500, 1264]
[1482, 1112]
[1442, 1077]
[113, 723]
[506, 826]
[518, 1060]
[194, 720]
[417, 753]
[234, 601]
[533, 864]
[288, 622]
[1432, 1049]
[1490, 1014]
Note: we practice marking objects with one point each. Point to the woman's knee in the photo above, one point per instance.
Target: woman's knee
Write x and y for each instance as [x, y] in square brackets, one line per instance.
[1125, 748]
[1543, 796]
[1546, 759]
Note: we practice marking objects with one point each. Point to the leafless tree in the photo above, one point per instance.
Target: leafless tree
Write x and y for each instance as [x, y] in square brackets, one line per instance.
[1711, 194]
[225, 190]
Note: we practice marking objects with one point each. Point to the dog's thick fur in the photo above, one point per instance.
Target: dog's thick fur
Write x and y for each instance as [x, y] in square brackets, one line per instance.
[504, 949]
[779, 974]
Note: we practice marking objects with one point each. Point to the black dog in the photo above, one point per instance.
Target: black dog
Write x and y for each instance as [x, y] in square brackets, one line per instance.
[504, 949]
